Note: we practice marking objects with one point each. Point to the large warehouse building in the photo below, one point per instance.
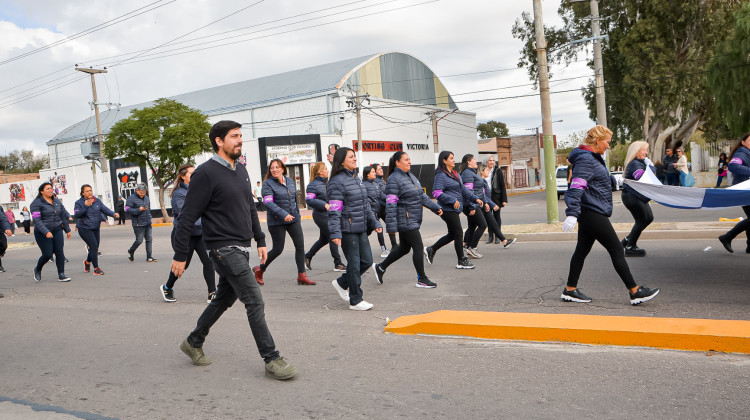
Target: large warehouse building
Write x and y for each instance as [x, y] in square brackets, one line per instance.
[297, 116]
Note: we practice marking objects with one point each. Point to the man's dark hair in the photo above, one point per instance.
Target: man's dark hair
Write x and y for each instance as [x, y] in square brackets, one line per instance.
[220, 130]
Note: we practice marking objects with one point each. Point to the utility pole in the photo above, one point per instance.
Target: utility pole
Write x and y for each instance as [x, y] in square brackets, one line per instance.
[549, 148]
[596, 38]
[356, 102]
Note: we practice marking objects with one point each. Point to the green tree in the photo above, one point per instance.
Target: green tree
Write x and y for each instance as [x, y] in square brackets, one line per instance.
[23, 162]
[161, 137]
[654, 62]
[492, 129]
[729, 74]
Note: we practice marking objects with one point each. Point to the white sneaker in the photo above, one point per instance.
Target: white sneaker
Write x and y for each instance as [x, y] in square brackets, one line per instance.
[344, 294]
[384, 254]
[361, 306]
[473, 253]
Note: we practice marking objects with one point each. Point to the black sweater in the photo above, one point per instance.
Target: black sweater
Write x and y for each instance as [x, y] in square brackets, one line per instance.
[223, 198]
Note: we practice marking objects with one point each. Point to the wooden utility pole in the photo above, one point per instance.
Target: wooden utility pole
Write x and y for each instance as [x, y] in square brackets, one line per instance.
[596, 38]
[549, 148]
[359, 130]
[92, 72]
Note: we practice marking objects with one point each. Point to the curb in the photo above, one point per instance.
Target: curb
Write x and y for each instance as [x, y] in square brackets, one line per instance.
[727, 336]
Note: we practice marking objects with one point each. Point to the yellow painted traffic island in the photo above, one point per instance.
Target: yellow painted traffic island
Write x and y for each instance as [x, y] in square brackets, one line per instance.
[665, 333]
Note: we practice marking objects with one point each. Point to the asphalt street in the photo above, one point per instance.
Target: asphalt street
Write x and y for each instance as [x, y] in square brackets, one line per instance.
[107, 347]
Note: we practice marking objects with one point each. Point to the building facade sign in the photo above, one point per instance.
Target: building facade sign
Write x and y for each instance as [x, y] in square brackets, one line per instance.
[379, 146]
[417, 146]
[293, 154]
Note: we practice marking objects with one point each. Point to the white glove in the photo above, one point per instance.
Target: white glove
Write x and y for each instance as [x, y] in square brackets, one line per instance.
[569, 223]
[648, 162]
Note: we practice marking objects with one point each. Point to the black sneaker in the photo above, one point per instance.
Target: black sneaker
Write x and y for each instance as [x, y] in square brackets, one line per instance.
[510, 242]
[86, 266]
[151, 259]
[624, 242]
[37, 275]
[644, 294]
[726, 242]
[307, 264]
[425, 283]
[167, 294]
[379, 272]
[131, 257]
[211, 296]
[63, 277]
[464, 263]
[574, 295]
[341, 268]
[2, 270]
[429, 254]
[634, 251]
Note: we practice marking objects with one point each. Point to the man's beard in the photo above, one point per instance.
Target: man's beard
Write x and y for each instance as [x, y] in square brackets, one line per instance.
[235, 155]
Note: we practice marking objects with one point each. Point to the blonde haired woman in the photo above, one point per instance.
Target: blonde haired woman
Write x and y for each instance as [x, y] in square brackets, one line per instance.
[682, 164]
[317, 199]
[636, 163]
[589, 201]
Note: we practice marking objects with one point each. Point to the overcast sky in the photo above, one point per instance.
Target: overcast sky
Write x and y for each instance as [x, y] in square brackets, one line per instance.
[41, 94]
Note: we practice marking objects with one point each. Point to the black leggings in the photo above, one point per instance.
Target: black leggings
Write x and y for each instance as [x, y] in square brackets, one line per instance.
[321, 221]
[391, 235]
[196, 243]
[742, 226]
[641, 212]
[496, 216]
[409, 240]
[593, 226]
[278, 236]
[92, 238]
[475, 229]
[492, 226]
[455, 233]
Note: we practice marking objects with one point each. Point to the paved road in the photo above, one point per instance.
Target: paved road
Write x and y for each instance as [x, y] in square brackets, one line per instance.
[108, 346]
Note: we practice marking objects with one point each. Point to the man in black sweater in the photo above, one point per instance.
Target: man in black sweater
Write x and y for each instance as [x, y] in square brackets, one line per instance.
[220, 194]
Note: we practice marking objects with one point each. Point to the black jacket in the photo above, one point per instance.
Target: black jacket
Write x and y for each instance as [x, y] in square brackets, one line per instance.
[499, 193]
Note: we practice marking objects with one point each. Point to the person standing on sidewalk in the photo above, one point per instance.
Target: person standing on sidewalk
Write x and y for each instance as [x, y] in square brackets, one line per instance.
[280, 197]
[739, 166]
[138, 206]
[195, 243]
[26, 220]
[316, 197]
[50, 221]
[488, 209]
[499, 195]
[589, 201]
[89, 212]
[636, 162]
[473, 211]
[403, 213]
[451, 195]
[681, 166]
[722, 169]
[671, 176]
[349, 219]
[379, 180]
[221, 196]
[120, 208]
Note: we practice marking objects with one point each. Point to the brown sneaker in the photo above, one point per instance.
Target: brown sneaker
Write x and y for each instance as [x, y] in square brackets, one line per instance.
[280, 369]
[195, 354]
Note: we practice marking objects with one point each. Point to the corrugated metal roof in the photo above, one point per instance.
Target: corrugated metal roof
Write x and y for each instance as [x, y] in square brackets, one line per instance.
[403, 78]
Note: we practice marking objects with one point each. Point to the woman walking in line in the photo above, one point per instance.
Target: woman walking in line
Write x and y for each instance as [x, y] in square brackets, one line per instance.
[26, 220]
[722, 169]
[350, 218]
[89, 212]
[280, 198]
[317, 198]
[403, 213]
[379, 181]
[476, 221]
[451, 195]
[739, 166]
[589, 201]
[636, 162]
[50, 221]
[488, 209]
[181, 185]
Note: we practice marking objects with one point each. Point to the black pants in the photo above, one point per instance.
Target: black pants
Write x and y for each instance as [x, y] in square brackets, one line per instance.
[196, 243]
[641, 212]
[278, 236]
[236, 281]
[391, 235]
[475, 229]
[408, 241]
[3, 246]
[49, 246]
[742, 226]
[121, 219]
[593, 226]
[496, 216]
[27, 226]
[321, 221]
[92, 239]
[455, 233]
[492, 227]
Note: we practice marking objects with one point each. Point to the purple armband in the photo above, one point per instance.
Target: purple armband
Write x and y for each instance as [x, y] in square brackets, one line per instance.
[127, 208]
[75, 211]
[310, 196]
[736, 160]
[469, 185]
[579, 183]
[36, 215]
[268, 199]
[638, 174]
[391, 199]
[437, 193]
[335, 205]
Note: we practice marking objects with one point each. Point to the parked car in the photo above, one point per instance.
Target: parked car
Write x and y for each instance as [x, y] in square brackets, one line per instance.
[619, 180]
[561, 179]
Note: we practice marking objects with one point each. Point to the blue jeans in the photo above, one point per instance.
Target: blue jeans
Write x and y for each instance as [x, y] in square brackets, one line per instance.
[92, 239]
[48, 246]
[673, 178]
[140, 233]
[236, 281]
[356, 247]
